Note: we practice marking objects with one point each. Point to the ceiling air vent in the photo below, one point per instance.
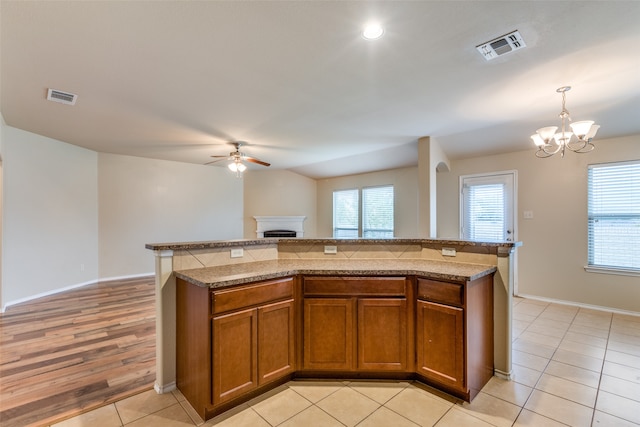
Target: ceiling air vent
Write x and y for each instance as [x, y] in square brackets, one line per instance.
[62, 97]
[501, 46]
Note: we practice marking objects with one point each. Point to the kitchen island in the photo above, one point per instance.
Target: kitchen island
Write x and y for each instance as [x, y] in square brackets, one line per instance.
[291, 291]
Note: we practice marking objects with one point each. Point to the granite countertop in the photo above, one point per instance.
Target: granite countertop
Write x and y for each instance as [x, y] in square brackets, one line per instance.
[237, 274]
[328, 241]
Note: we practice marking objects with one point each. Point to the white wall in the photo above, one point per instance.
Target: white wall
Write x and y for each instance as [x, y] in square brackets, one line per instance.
[154, 201]
[554, 249]
[405, 184]
[278, 192]
[50, 215]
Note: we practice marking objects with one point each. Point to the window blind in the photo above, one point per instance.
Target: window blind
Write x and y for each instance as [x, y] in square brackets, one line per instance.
[345, 213]
[377, 212]
[484, 217]
[614, 215]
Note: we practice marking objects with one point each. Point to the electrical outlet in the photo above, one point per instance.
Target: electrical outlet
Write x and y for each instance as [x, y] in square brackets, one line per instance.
[332, 250]
[237, 253]
[528, 214]
[448, 252]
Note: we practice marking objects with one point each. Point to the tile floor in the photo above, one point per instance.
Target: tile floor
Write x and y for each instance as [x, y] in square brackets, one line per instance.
[572, 366]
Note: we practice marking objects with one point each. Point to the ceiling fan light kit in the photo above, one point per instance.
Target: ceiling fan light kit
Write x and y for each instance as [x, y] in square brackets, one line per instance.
[549, 142]
[237, 158]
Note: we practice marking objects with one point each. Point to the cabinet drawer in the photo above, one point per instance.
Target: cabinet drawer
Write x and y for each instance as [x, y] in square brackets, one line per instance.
[443, 292]
[355, 286]
[248, 296]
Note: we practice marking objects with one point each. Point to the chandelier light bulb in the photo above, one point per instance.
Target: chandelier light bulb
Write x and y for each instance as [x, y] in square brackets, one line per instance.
[592, 132]
[547, 133]
[537, 139]
[581, 128]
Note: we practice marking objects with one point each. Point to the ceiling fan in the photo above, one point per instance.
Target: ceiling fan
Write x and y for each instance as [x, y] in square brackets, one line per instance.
[236, 158]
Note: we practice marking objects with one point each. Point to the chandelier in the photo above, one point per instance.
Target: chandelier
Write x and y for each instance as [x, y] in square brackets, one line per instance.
[579, 141]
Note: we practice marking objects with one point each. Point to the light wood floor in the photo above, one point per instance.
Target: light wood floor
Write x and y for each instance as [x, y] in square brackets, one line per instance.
[75, 351]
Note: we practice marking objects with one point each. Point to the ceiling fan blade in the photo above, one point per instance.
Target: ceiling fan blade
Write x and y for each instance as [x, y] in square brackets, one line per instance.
[252, 160]
[221, 157]
[215, 161]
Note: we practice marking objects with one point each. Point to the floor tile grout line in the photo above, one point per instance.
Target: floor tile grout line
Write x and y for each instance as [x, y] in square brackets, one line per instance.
[547, 365]
[327, 396]
[311, 404]
[595, 404]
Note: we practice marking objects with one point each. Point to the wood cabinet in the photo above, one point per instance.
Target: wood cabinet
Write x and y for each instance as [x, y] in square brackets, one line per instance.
[235, 355]
[382, 334]
[355, 323]
[440, 343]
[248, 341]
[235, 343]
[328, 333]
[251, 348]
[454, 334]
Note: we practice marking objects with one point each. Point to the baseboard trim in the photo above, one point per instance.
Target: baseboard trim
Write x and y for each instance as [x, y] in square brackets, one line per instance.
[504, 375]
[578, 304]
[162, 389]
[71, 287]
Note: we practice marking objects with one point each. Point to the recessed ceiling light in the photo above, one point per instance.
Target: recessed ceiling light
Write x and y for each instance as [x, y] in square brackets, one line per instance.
[372, 31]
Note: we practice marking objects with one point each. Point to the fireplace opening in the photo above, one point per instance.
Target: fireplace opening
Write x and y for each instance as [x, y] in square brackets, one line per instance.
[280, 233]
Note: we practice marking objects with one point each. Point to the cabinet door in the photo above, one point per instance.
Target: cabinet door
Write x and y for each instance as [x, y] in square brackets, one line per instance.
[276, 343]
[440, 343]
[382, 334]
[234, 355]
[328, 333]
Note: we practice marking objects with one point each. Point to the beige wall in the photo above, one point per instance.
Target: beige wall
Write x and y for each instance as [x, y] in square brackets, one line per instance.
[152, 201]
[554, 252]
[405, 182]
[72, 216]
[278, 192]
[50, 215]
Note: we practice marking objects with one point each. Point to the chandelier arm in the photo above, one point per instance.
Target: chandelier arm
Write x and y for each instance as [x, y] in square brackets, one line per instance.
[578, 145]
[587, 147]
[541, 154]
[547, 149]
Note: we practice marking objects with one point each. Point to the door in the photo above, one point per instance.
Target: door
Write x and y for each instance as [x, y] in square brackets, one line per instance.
[382, 334]
[488, 206]
[328, 333]
[276, 350]
[440, 343]
[235, 355]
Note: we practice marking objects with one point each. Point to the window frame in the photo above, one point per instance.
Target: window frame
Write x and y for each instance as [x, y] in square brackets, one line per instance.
[333, 212]
[361, 217]
[599, 268]
[363, 212]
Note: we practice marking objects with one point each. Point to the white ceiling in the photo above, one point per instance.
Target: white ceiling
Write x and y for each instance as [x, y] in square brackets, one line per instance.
[178, 80]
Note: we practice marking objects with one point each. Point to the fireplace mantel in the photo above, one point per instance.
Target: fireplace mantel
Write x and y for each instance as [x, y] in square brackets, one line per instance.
[267, 223]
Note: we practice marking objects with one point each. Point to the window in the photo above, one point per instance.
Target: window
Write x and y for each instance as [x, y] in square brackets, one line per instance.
[375, 213]
[614, 216]
[345, 213]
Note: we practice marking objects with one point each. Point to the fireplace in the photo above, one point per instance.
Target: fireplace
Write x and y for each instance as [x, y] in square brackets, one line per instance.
[278, 226]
